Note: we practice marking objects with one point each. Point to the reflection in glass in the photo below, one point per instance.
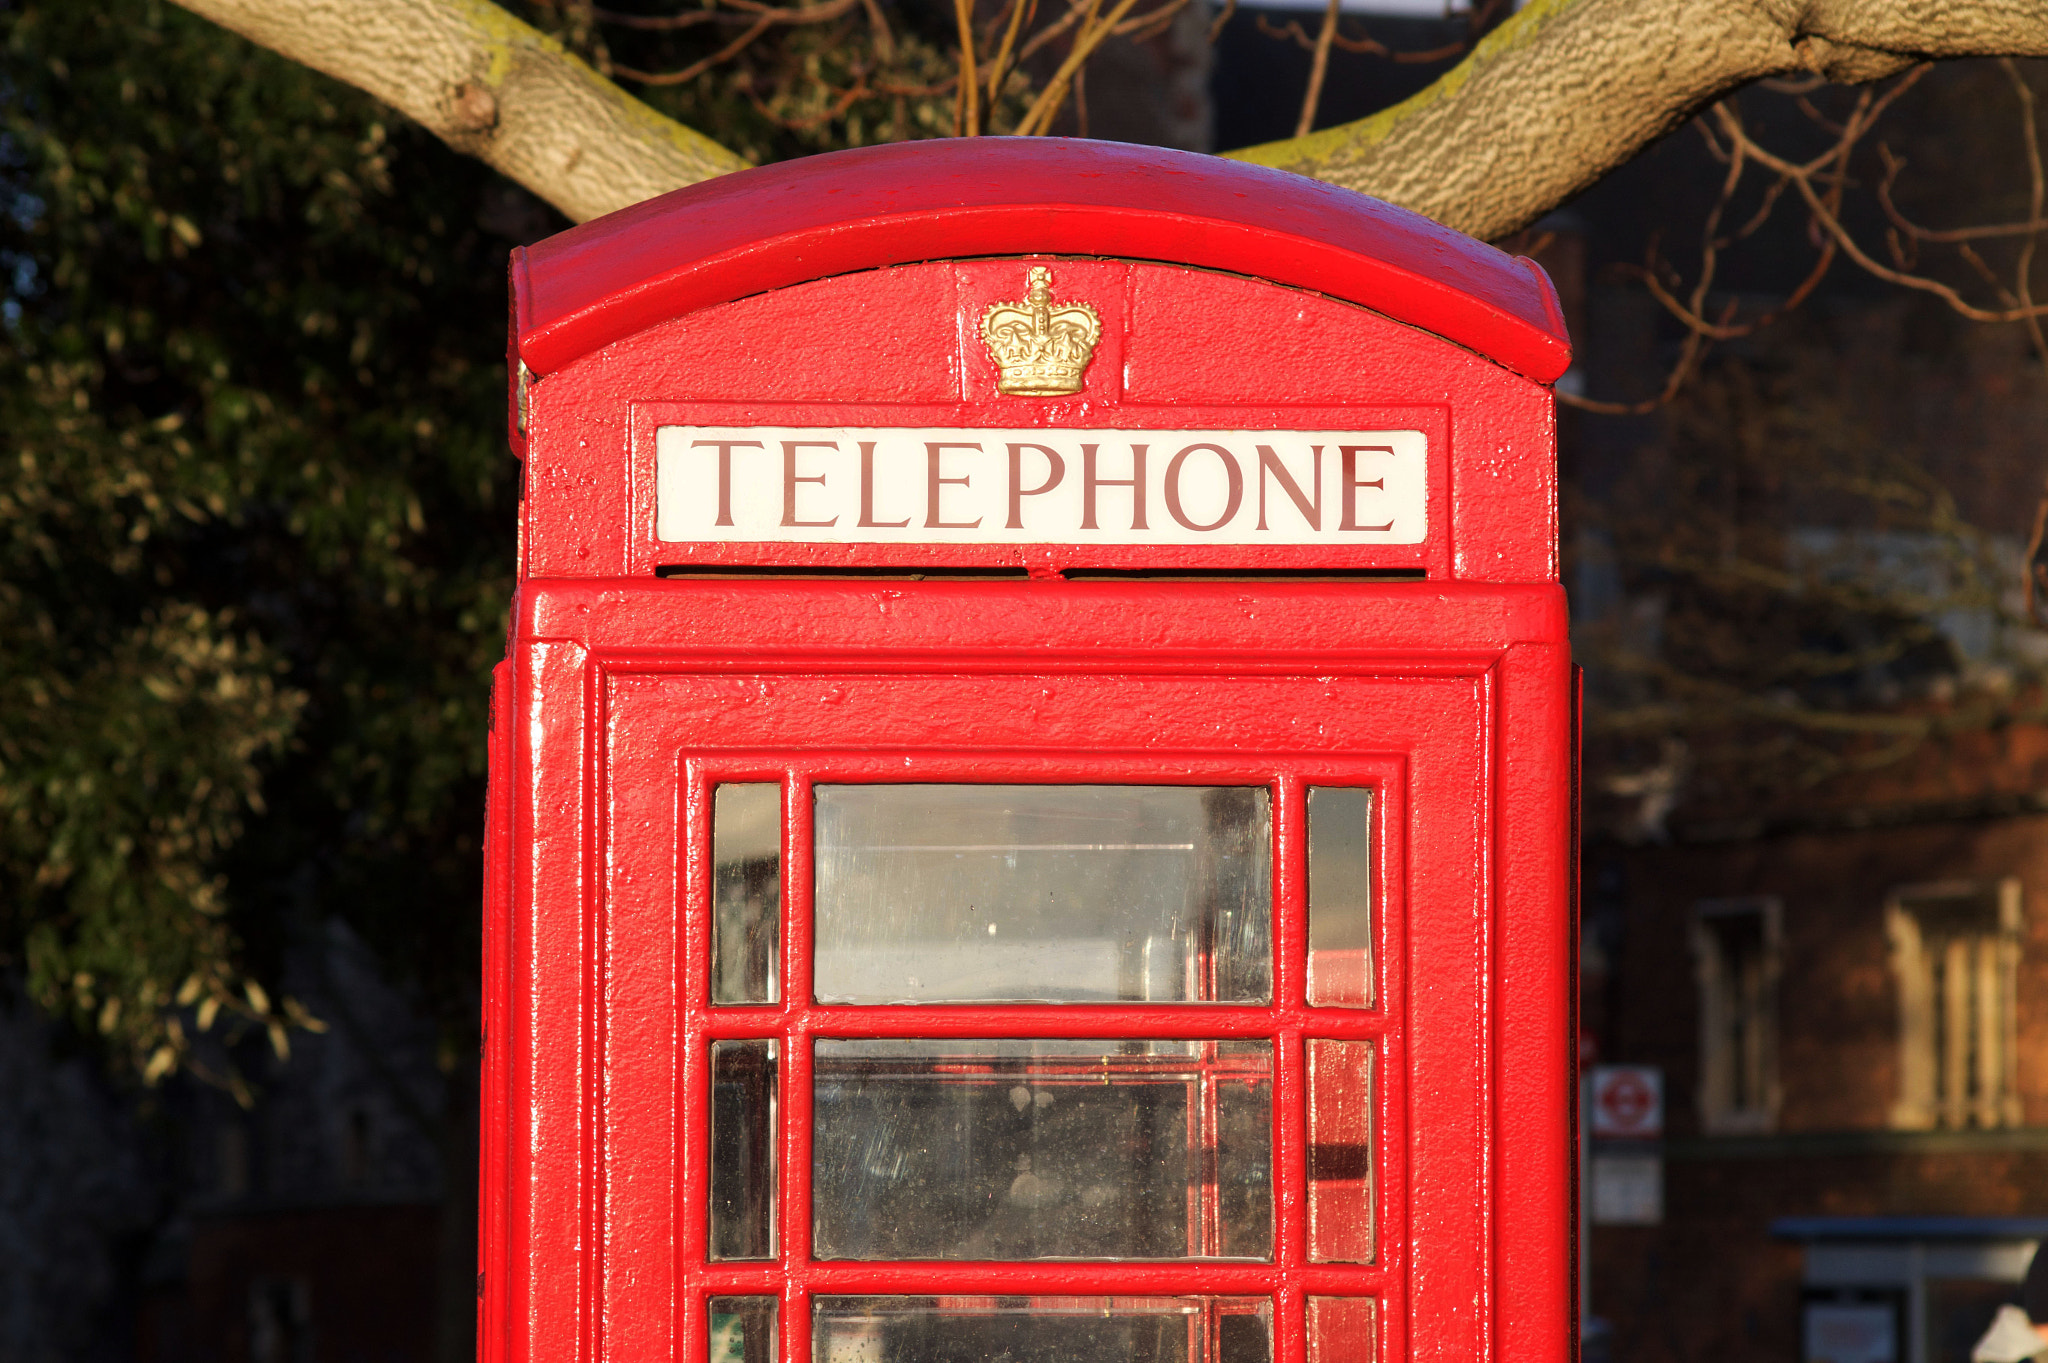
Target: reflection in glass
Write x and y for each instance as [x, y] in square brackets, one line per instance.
[1042, 1149]
[742, 1330]
[1041, 1329]
[743, 1129]
[746, 892]
[1339, 897]
[937, 893]
[1340, 1165]
[1340, 1330]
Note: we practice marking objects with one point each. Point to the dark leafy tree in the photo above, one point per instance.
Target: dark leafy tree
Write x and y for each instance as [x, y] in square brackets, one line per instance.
[255, 529]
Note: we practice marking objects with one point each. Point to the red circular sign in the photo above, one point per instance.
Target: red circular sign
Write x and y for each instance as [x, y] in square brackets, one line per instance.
[1626, 1099]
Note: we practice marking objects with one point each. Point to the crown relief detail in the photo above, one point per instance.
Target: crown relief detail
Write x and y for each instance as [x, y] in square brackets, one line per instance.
[1040, 347]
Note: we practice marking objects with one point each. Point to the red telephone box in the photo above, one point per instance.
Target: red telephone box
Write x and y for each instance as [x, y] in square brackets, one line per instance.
[1031, 788]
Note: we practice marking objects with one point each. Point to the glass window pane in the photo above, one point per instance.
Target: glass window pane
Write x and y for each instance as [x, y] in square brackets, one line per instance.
[1041, 1329]
[1341, 1330]
[1340, 1165]
[1042, 1149]
[743, 1130]
[1339, 897]
[743, 1330]
[963, 893]
[746, 892]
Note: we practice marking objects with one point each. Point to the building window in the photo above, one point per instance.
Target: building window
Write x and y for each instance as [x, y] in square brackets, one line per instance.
[1735, 951]
[1956, 953]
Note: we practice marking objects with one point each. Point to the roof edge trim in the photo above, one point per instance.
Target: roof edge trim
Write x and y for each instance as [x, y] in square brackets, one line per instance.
[845, 212]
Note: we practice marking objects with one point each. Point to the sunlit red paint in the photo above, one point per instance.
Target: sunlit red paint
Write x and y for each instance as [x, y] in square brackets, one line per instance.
[626, 697]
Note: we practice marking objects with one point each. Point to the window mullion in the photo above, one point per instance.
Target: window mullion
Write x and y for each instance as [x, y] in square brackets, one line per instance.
[1290, 1332]
[796, 1116]
[1285, 1022]
[1290, 971]
[694, 1064]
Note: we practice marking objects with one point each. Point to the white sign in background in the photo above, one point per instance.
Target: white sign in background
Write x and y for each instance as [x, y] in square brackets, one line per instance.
[1628, 1101]
[1628, 1190]
[922, 485]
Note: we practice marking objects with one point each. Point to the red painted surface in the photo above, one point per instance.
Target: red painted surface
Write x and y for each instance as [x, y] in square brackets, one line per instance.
[626, 698]
[496, 1117]
[895, 205]
[1182, 348]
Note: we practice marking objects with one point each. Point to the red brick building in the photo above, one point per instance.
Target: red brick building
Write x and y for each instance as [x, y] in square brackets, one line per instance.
[1850, 1010]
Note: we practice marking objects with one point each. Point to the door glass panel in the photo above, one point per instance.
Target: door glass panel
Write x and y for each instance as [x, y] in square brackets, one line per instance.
[1339, 897]
[743, 1130]
[743, 1330]
[1042, 1149]
[966, 893]
[1340, 1330]
[1041, 1329]
[746, 892]
[1340, 1164]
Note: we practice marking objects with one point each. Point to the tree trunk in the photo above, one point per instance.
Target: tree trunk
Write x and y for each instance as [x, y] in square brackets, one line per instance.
[1567, 90]
[1553, 99]
[490, 87]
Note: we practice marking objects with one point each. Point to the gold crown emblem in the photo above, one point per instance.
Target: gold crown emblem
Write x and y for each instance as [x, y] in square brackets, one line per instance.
[1040, 346]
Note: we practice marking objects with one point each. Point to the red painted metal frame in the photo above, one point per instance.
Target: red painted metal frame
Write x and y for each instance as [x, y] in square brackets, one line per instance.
[846, 290]
[495, 1113]
[631, 699]
[797, 1022]
[785, 224]
[1180, 348]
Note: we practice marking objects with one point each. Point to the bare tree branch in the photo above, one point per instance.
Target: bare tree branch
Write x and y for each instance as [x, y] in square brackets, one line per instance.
[1000, 67]
[967, 108]
[1319, 66]
[2037, 191]
[1566, 90]
[1039, 116]
[1223, 17]
[1821, 182]
[1893, 166]
[1152, 22]
[1558, 95]
[492, 87]
[698, 68]
[1827, 215]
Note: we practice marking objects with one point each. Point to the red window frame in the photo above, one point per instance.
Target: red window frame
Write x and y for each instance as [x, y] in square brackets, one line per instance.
[1288, 1280]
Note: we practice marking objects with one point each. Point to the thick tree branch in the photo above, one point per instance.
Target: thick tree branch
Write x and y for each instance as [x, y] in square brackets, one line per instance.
[492, 87]
[1567, 90]
[1555, 98]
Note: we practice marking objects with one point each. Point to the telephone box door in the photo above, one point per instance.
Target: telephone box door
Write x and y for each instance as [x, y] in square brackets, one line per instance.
[1004, 993]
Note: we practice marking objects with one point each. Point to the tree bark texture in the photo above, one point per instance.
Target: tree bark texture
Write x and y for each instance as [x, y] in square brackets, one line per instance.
[492, 87]
[1567, 90]
[1550, 101]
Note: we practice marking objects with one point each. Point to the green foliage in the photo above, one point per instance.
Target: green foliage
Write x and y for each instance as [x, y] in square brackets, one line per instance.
[255, 523]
